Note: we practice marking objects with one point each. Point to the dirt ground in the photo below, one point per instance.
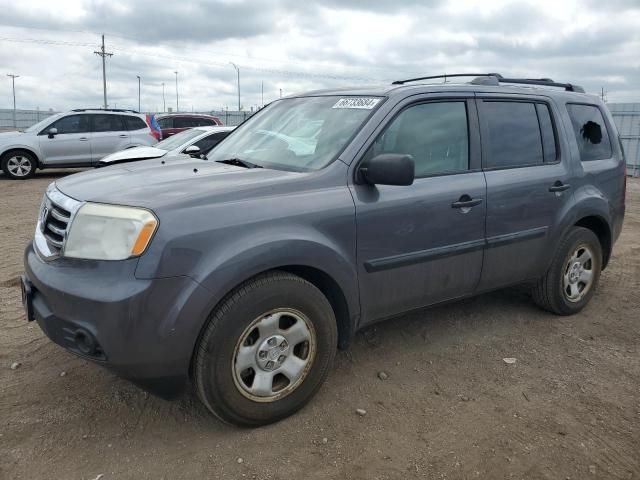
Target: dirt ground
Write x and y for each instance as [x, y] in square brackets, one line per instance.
[450, 407]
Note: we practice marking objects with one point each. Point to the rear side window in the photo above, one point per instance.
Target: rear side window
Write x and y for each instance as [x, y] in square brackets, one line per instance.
[590, 131]
[435, 134]
[165, 122]
[185, 122]
[135, 123]
[107, 123]
[511, 134]
[206, 122]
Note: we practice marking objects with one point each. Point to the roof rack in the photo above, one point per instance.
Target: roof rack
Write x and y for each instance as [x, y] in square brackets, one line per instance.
[496, 79]
[105, 110]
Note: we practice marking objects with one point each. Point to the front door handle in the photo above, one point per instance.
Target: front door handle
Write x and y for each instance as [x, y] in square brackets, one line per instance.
[123, 136]
[83, 139]
[559, 187]
[467, 202]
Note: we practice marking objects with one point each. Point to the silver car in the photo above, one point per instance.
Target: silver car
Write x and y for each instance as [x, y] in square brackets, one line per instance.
[79, 138]
[197, 142]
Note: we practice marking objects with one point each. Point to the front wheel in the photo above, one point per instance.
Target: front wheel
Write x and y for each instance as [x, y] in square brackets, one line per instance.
[18, 165]
[573, 275]
[266, 350]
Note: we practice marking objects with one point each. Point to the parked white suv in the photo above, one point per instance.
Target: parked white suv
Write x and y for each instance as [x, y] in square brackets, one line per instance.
[79, 138]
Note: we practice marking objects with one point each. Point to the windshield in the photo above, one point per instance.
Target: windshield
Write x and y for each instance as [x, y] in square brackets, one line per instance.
[297, 134]
[178, 140]
[43, 123]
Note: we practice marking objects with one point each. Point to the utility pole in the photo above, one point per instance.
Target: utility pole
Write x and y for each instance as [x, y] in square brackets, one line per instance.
[104, 54]
[238, 72]
[138, 92]
[280, 93]
[602, 94]
[177, 107]
[13, 86]
[262, 93]
[164, 104]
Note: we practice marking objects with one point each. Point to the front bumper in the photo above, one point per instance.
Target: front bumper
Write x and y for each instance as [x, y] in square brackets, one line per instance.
[144, 330]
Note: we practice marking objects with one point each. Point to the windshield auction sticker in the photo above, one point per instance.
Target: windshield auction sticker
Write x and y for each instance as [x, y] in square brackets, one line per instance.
[365, 103]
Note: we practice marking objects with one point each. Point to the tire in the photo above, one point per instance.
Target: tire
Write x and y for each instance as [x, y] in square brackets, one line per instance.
[19, 164]
[280, 307]
[564, 289]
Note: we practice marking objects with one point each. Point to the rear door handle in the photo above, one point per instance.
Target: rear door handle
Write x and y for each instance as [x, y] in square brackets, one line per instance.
[559, 187]
[466, 201]
[83, 139]
[123, 136]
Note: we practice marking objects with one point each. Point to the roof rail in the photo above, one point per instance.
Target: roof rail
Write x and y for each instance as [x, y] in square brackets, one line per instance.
[488, 79]
[105, 110]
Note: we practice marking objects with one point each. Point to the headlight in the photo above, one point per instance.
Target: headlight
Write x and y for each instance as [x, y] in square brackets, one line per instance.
[109, 232]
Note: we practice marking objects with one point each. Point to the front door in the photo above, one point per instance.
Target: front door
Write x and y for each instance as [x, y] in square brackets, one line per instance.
[529, 189]
[70, 146]
[422, 244]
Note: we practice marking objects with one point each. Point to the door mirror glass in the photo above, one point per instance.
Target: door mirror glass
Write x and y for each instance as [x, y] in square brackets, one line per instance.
[192, 150]
[389, 169]
[52, 132]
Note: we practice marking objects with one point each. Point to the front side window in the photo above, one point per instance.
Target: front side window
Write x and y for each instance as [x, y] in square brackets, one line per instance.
[298, 134]
[207, 143]
[107, 123]
[72, 124]
[436, 135]
[166, 122]
[590, 131]
[511, 134]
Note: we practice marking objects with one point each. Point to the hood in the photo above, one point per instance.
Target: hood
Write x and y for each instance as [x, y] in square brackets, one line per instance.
[135, 153]
[170, 181]
[9, 135]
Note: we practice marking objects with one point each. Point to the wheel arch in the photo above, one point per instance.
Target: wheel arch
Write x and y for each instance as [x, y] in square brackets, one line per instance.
[600, 227]
[30, 151]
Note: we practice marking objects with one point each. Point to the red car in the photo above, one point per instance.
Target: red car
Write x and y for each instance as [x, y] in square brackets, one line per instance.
[172, 123]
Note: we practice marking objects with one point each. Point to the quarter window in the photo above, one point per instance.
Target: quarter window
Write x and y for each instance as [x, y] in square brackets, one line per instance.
[511, 134]
[107, 123]
[590, 131]
[436, 135]
[71, 124]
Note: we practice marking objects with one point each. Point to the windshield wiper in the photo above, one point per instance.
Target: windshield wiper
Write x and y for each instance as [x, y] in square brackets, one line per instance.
[239, 163]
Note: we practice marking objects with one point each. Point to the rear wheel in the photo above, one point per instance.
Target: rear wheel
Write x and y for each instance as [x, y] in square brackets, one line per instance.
[19, 165]
[266, 350]
[573, 276]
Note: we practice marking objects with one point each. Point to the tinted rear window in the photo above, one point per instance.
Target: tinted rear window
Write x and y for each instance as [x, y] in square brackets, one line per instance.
[107, 123]
[512, 134]
[134, 123]
[590, 131]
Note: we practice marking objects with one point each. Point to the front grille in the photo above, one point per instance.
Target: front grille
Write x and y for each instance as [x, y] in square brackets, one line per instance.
[55, 221]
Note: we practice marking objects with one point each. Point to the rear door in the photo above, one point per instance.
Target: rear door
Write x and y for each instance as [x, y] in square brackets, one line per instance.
[109, 134]
[528, 187]
[71, 145]
[423, 243]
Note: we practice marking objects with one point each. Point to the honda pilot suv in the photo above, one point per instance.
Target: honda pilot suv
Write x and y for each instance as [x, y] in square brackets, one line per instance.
[241, 275]
[79, 138]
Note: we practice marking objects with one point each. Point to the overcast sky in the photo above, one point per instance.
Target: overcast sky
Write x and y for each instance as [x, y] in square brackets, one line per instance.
[298, 45]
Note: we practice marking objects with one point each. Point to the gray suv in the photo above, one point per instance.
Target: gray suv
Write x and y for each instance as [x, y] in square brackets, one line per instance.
[243, 273]
[79, 138]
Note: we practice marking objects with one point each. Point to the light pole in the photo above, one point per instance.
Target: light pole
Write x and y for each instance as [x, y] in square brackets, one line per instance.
[138, 92]
[13, 86]
[177, 107]
[164, 104]
[238, 72]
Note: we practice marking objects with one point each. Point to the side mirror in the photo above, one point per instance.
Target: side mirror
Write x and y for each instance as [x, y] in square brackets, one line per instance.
[192, 150]
[52, 132]
[389, 169]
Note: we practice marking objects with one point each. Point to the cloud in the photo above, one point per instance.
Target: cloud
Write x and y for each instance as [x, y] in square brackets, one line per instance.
[298, 46]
